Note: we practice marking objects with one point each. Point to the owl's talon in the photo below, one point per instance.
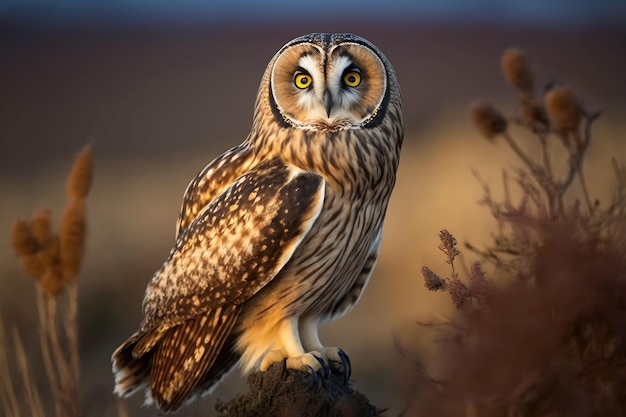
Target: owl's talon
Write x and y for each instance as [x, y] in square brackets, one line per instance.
[325, 371]
[345, 364]
[283, 371]
[316, 381]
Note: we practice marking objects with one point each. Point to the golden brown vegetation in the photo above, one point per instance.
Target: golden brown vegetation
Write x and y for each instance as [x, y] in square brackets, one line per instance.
[543, 334]
[53, 259]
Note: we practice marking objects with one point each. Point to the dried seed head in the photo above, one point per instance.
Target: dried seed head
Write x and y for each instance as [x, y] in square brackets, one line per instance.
[563, 109]
[80, 177]
[479, 287]
[22, 240]
[52, 281]
[432, 281]
[487, 119]
[448, 245]
[459, 293]
[32, 265]
[72, 238]
[517, 71]
[50, 254]
[41, 227]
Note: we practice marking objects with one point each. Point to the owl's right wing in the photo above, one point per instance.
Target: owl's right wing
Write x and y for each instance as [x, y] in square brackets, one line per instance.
[211, 182]
[236, 245]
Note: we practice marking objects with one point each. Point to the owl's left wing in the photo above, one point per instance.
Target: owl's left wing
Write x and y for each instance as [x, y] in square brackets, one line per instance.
[238, 244]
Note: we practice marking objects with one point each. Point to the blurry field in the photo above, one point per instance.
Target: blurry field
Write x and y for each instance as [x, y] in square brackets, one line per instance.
[160, 104]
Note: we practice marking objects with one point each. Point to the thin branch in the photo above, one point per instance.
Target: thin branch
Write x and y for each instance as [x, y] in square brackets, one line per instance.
[545, 151]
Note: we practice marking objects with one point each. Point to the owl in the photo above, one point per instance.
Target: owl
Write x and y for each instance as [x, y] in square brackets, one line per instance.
[278, 234]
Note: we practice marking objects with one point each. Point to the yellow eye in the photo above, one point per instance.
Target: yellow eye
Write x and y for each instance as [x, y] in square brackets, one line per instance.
[352, 78]
[302, 80]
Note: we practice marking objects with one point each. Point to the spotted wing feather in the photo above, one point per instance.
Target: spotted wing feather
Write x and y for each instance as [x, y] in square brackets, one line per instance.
[185, 354]
[210, 182]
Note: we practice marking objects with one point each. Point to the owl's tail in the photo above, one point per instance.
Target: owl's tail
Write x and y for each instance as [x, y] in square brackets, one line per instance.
[131, 374]
[184, 361]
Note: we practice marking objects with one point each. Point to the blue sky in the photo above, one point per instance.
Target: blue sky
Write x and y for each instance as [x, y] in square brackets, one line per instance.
[542, 12]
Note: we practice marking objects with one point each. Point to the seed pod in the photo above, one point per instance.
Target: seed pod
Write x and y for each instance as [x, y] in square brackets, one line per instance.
[79, 179]
[52, 281]
[488, 120]
[72, 238]
[432, 281]
[22, 239]
[517, 71]
[41, 227]
[563, 109]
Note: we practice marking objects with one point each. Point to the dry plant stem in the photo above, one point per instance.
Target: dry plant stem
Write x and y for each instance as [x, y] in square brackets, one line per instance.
[30, 389]
[581, 176]
[50, 329]
[536, 171]
[577, 156]
[583, 185]
[7, 392]
[67, 392]
[520, 153]
[454, 274]
[545, 150]
[44, 343]
[70, 321]
[59, 367]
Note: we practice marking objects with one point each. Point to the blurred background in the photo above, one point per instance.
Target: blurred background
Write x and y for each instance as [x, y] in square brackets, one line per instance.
[161, 88]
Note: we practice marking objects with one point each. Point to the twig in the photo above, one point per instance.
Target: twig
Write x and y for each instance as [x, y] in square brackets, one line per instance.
[545, 151]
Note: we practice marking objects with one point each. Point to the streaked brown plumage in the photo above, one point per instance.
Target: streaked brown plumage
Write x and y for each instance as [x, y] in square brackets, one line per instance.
[278, 234]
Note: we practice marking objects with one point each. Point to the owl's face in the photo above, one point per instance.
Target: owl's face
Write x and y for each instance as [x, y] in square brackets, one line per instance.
[328, 82]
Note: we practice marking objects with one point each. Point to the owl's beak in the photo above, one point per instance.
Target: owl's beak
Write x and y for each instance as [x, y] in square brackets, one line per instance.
[328, 102]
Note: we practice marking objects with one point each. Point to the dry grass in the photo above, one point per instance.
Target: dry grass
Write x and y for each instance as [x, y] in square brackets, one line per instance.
[544, 333]
[53, 259]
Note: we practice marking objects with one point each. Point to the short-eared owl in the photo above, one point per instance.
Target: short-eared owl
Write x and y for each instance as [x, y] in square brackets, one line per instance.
[279, 233]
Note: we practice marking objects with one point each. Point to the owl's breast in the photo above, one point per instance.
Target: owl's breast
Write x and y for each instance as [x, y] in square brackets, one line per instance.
[328, 261]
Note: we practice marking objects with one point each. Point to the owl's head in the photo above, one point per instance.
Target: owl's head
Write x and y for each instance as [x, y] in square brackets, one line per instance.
[329, 82]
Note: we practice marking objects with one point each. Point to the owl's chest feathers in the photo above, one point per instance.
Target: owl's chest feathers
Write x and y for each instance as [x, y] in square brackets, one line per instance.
[350, 160]
[328, 261]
